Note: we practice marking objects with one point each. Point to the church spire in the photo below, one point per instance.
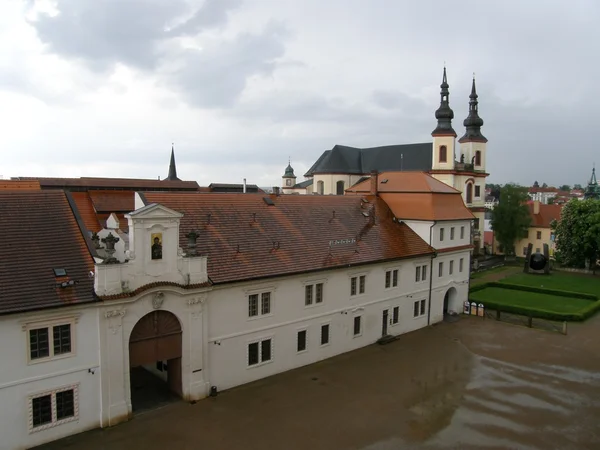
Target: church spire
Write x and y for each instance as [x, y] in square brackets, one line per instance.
[444, 114]
[593, 188]
[473, 122]
[172, 169]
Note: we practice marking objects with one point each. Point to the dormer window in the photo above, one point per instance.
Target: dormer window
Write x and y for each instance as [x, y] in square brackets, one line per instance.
[60, 272]
[443, 154]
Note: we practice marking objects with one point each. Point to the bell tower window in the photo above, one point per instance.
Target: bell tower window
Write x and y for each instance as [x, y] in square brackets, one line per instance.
[443, 154]
[478, 158]
[469, 193]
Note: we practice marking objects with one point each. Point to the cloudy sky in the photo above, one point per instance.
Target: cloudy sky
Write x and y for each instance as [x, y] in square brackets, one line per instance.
[102, 87]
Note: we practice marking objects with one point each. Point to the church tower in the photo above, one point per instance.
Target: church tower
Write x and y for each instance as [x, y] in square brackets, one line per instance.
[473, 143]
[444, 134]
[288, 180]
[172, 169]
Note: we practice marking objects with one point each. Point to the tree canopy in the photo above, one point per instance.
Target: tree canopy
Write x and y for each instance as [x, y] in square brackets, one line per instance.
[577, 234]
[565, 187]
[510, 218]
[536, 184]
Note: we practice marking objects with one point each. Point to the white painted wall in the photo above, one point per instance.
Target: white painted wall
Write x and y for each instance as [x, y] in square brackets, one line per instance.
[330, 182]
[20, 378]
[448, 242]
[448, 141]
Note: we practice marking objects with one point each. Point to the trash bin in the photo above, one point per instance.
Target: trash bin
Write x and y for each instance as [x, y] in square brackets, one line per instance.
[466, 307]
[473, 308]
[480, 310]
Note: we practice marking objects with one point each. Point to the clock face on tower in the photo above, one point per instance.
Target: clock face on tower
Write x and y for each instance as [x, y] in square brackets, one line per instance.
[288, 182]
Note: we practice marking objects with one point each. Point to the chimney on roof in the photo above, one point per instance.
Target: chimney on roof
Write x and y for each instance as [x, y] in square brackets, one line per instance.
[374, 180]
[536, 207]
[244, 186]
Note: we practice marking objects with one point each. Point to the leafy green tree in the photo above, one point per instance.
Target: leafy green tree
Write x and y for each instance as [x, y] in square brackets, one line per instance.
[577, 186]
[510, 218]
[544, 185]
[536, 184]
[577, 233]
[565, 187]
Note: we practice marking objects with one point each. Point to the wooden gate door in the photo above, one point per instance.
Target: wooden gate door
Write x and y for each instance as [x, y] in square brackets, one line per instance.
[156, 337]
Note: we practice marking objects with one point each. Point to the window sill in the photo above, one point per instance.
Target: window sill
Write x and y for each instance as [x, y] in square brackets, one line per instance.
[260, 364]
[260, 316]
[50, 358]
[53, 424]
[357, 335]
[325, 345]
[312, 305]
[300, 352]
[419, 316]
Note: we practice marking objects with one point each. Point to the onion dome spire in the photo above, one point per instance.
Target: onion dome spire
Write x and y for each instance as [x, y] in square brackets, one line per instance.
[289, 171]
[473, 122]
[444, 114]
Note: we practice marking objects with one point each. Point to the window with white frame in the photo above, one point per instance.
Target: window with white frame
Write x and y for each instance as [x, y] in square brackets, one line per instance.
[301, 341]
[357, 284]
[451, 267]
[460, 264]
[395, 315]
[313, 294]
[259, 352]
[357, 325]
[325, 334]
[391, 278]
[50, 341]
[53, 408]
[462, 232]
[451, 233]
[421, 273]
[259, 304]
[441, 269]
[441, 234]
[419, 308]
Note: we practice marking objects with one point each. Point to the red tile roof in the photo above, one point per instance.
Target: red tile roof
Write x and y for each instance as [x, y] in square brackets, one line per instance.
[86, 211]
[14, 184]
[245, 238]
[107, 201]
[40, 233]
[404, 182]
[85, 183]
[417, 196]
[547, 214]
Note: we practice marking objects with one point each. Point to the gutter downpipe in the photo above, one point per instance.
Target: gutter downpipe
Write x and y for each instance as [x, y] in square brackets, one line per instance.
[430, 273]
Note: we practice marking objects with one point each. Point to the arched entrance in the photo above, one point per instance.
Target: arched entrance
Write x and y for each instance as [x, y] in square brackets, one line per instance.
[155, 360]
[449, 300]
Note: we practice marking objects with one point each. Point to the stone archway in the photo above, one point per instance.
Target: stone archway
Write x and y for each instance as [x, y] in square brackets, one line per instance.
[450, 300]
[155, 360]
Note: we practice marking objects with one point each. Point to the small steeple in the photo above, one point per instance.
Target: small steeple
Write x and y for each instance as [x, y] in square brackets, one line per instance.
[444, 114]
[289, 171]
[593, 188]
[473, 122]
[172, 169]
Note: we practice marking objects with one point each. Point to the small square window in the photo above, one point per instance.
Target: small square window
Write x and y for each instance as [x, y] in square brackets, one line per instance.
[265, 304]
[357, 325]
[60, 272]
[395, 315]
[62, 339]
[325, 334]
[265, 350]
[253, 354]
[301, 343]
[319, 293]
[39, 347]
[253, 305]
[41, 410]
[308, 294]
[65, 404]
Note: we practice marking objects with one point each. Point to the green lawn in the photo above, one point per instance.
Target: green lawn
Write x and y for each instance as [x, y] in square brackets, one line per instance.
[495, 270]
[529, 300]
[562, 281]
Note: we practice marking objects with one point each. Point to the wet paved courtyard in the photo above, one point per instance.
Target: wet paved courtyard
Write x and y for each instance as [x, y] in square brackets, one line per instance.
[472, 384]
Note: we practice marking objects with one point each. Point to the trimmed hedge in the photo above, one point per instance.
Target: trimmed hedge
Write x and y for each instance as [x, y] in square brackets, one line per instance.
[540, 313]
